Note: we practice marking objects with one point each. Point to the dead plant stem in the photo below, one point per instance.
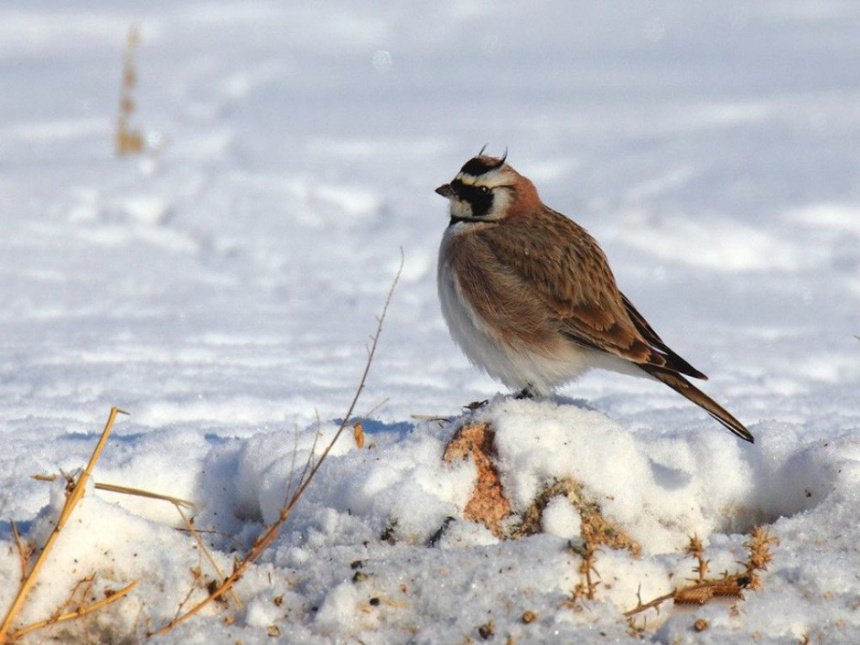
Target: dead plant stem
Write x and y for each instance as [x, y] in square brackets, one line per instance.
[72, 500]
[271, 532]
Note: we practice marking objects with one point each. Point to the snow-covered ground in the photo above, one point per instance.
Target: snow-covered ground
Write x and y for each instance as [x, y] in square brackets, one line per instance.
[222, 288]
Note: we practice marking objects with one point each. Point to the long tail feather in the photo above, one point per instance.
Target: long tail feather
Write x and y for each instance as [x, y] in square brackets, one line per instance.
[686, 389]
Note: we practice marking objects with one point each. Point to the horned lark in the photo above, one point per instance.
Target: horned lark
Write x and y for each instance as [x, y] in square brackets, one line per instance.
[529, 296]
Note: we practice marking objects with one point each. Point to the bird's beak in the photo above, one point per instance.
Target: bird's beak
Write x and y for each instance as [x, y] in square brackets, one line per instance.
[446, 191]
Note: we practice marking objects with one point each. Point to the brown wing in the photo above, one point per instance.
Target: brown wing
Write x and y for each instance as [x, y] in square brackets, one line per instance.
[673, 361]
[565, 266]
[501, 295]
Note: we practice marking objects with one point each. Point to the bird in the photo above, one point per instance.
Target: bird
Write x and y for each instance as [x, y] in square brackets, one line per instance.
[528, 294]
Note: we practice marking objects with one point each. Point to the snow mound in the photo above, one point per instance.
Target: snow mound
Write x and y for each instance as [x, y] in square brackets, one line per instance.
[661, 490]
[379, 540]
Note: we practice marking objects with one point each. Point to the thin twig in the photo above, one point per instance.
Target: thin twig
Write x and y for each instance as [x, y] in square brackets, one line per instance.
[652, 604]
[376, 407]
[81, 589]
[310, 460]
[196, 575]
[23, 552]
[269, 535]
[704, 589]
[293, 461]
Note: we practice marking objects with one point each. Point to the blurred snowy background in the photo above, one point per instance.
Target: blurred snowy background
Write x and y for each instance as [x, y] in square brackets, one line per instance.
[221, 287]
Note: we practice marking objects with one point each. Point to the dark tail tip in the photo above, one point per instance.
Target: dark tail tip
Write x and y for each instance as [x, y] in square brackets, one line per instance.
[686, 389]
[737, 428]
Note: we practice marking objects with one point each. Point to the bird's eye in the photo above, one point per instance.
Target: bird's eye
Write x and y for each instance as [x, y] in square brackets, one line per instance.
[484, 190]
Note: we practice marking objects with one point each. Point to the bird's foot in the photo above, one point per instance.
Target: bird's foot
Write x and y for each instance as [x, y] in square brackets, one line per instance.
[525, 393]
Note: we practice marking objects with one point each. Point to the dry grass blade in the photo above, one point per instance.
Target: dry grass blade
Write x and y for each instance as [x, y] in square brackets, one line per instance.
[72, 499]
[429, 417]
[206, 553]
[358, 434]
[270, 533]
[77, 613]
[139, 492]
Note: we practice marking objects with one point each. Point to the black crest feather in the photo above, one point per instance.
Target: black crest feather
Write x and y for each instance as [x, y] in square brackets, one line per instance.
[477, 166]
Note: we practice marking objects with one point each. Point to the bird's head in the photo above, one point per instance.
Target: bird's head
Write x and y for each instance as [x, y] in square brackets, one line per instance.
[485, 190]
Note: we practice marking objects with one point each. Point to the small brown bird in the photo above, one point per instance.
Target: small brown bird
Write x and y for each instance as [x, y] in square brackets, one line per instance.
[529, 296]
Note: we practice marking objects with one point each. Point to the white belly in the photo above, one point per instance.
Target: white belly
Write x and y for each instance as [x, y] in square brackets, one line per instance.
[516, 367]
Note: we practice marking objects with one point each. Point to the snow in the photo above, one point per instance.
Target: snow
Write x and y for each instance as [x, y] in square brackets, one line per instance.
[221, 287]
